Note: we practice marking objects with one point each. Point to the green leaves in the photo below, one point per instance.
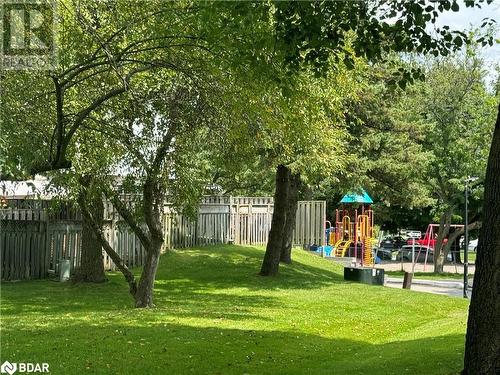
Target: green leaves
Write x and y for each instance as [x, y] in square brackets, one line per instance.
[455, 111]
[308, 33]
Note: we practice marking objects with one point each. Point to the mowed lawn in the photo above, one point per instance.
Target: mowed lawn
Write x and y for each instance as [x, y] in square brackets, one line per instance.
[214, 315]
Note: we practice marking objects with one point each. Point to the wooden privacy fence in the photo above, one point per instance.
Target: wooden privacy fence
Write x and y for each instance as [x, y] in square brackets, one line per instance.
[32, 242]
[242, 221]
[23, 250]
[310, 223]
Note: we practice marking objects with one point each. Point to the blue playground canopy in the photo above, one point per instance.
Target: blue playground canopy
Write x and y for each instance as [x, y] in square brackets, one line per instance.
[357, 198]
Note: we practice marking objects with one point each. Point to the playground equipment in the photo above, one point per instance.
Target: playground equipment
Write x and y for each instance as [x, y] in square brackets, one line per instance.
[430, 237]
[352, 234]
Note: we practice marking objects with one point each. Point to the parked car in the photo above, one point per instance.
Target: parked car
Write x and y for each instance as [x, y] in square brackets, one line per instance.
[383, 253]
[420, 254]
[387, 243]
[398, 242]
[473, 244]
[392, 243]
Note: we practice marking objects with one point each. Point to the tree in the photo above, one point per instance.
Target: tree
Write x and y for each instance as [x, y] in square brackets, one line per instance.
[327, 35]
[104, 50]
[482, 348]
[91, 267]
[453, 109]
[153, 133]
[387, 156]
[311, 33]
[303, 136]
[111, 52]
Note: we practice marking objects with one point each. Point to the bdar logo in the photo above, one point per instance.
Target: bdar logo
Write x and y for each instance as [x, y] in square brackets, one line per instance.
[8, 368]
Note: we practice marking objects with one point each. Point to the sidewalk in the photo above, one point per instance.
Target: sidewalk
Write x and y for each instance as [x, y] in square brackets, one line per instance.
[420, 267]
[450, 288]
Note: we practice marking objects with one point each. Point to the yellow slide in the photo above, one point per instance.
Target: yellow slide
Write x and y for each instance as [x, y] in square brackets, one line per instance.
[341, 247]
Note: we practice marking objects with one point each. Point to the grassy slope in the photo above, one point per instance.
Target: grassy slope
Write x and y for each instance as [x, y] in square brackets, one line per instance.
[216, 316]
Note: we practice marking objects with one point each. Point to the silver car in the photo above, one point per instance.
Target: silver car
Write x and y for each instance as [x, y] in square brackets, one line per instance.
[421, 252]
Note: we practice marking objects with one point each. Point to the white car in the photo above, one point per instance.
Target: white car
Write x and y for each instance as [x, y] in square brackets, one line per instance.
[473, 244]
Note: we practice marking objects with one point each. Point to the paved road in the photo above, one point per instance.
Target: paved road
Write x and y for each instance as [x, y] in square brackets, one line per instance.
[452, 288]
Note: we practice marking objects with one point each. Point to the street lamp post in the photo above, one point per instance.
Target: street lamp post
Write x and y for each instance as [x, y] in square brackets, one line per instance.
[466, 239]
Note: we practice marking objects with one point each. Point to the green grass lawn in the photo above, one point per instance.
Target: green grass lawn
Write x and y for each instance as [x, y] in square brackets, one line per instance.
[471, 255]
[214, 315]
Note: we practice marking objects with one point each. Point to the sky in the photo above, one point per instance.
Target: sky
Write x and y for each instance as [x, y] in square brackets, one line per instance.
[469, 18]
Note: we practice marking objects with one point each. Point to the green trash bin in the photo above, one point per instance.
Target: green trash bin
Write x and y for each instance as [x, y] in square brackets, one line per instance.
[365, 275]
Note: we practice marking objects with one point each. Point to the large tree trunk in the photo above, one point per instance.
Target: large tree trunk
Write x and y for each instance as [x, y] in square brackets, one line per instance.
[92, 266]
[117, 260]
[153, 194]
[270, 264]
[452, 244]
[444, 229]
[482, 346]
[144, 295]
[291, 213]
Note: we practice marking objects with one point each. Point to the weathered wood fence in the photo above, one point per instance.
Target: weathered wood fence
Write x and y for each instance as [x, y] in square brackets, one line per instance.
[243, 221]
[33, 242]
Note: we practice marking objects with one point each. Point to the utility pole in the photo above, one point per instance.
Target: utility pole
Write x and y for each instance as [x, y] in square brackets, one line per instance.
[466, 239]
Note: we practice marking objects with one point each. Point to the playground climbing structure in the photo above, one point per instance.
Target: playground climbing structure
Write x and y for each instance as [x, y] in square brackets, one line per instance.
[352, 234]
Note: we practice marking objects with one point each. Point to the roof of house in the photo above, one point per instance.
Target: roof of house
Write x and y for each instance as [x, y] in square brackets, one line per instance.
[36, 188]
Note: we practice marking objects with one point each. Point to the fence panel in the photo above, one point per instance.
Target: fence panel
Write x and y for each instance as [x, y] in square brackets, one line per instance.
[65, 242]
[208, 228]
[22, 249]
[32, 242]
[310, 223]
[242, 221]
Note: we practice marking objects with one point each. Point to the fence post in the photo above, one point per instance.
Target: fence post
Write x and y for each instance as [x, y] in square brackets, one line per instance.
[230, 237]
[45, 259]
[250, 225]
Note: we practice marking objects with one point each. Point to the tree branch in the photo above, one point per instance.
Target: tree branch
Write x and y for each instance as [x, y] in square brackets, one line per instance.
[117, 260]
[457, 233]
[129, 219]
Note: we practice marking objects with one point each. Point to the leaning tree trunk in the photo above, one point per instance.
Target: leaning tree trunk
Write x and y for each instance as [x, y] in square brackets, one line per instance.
[444, 229]
[144, 295]
[115, 257]
[452, 245]
[270, 264]
[153, 194]
[454, 238]
[482, 346]
[91, 267]
[291, 213]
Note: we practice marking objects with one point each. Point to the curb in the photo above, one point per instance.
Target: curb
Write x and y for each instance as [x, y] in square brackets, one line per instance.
[436, 283]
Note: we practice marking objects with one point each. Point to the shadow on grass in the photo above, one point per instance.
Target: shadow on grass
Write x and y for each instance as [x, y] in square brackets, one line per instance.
[181, 349]
[203, 282]
[230, 266]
